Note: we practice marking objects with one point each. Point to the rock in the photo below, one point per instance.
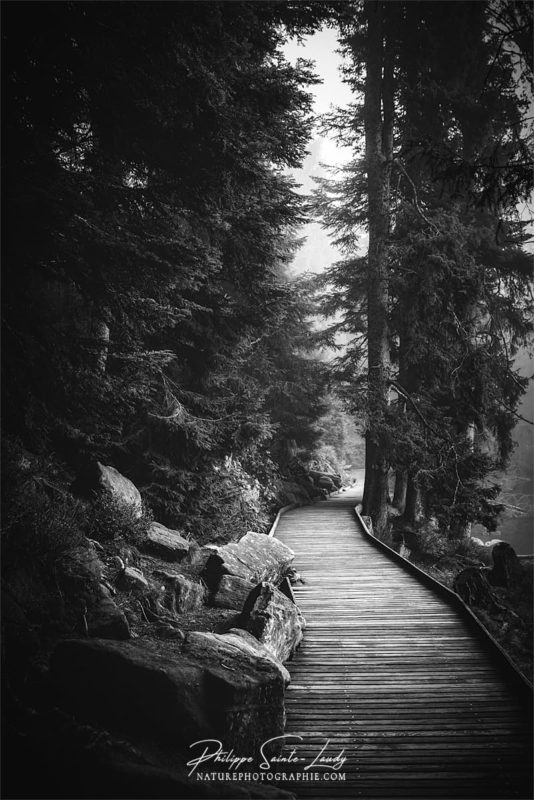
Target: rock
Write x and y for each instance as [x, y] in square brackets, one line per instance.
[274, 620]
[105, 619]
[133, 580]
[254, 697]
[189, 595]
[477, 541]
[174, 693]
[248, 643]
[294, 576]
[492, 542]
[97, 478]
[255, 557]
[506, 566]
[333, 477]
[197, 556]
[166, 631]
[181, 594]
[232, 592]
[165, 543]
[81, 570]
[326, 483]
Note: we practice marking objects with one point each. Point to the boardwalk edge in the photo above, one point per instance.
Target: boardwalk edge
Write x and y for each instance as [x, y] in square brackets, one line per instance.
[454, 599]
[279, 514]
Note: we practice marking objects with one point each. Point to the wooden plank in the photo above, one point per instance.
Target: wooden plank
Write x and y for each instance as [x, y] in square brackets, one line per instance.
[390, 672]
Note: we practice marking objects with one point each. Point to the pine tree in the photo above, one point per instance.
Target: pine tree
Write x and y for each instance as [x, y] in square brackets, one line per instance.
[457, 172]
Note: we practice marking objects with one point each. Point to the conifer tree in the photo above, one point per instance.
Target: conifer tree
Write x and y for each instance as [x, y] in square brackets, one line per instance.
[147, 147]
[458, 168]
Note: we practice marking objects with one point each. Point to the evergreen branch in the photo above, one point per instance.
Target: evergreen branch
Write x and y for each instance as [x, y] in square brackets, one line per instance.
[495, 58]
[406, 395]
[507, 505]
[515, 413]
[437, 433]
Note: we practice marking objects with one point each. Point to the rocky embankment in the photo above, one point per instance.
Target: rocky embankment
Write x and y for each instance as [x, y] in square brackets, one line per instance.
[173, 643]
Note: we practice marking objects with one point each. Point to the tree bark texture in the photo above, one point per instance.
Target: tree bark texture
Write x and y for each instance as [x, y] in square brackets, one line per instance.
[401, 485]
[413, 504]
[378, 113]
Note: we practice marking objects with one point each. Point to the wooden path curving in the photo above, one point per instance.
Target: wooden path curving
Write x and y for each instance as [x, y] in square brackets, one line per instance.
[392, 675]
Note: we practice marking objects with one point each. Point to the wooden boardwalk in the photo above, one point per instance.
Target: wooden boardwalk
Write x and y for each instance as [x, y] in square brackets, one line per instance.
[392, 675]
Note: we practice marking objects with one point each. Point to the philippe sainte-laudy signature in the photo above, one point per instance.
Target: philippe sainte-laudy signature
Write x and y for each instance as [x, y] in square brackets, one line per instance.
[213, 752]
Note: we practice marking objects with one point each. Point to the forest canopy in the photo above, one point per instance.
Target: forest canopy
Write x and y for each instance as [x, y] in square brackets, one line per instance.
[150, 321]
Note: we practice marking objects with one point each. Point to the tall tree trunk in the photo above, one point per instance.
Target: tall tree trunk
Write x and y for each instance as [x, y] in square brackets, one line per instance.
[467, 527]
[406, 379]
[401, 487]
[378, 113]
[413, 505]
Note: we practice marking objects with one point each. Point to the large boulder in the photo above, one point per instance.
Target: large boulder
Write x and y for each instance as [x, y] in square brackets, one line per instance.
[492, 542]
[97, 478]
[333, 477]
[80, 571]
[255, 557]
[324, 482]
[243, 641]
[274, 620]
[232, 592]
[174, 693]
[165, 543]
[506, 566]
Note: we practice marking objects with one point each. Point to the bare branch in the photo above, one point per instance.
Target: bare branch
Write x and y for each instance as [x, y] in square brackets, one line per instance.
[415, 198]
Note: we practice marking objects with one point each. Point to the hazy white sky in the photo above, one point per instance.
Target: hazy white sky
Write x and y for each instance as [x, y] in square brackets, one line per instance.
[317, 253]
[321, 48]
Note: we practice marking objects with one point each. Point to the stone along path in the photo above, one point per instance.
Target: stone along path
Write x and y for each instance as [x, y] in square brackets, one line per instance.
[391, 674]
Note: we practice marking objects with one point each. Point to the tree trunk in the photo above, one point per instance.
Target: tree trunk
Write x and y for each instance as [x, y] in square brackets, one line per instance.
[378, 111]
[467, 527]
[401, 486]
[413, 505]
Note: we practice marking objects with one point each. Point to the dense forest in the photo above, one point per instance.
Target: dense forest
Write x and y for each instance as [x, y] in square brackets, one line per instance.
[149, 318]
[151, 321]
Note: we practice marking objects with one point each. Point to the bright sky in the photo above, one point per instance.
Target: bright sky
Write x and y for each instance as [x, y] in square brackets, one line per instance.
[318, 253]
[332, 92]
[321, 48]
